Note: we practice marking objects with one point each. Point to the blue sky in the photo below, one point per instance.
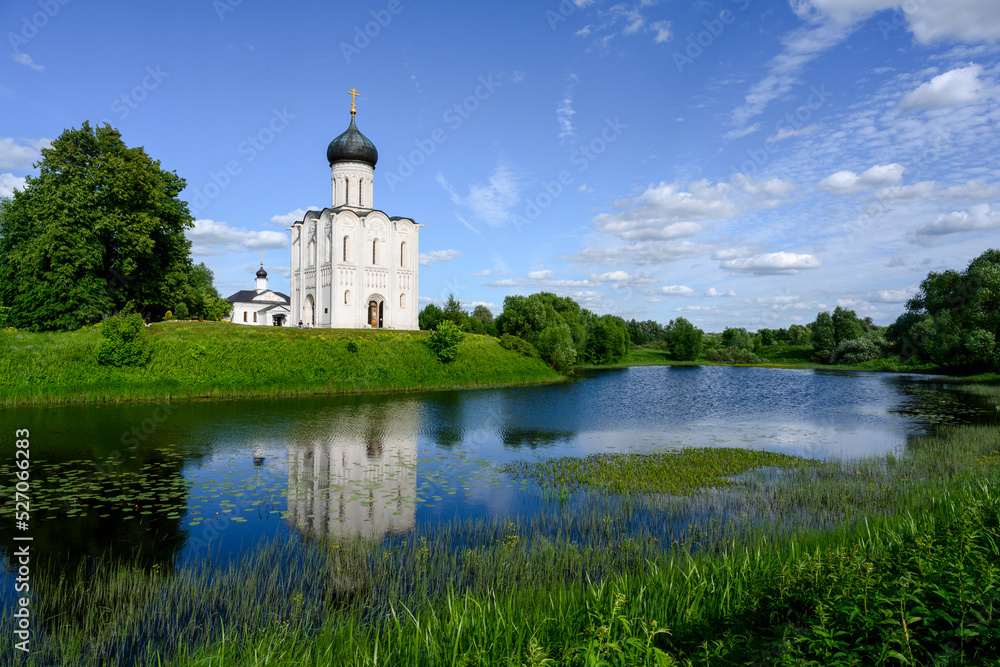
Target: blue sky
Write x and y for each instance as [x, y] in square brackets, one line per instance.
[738, 163]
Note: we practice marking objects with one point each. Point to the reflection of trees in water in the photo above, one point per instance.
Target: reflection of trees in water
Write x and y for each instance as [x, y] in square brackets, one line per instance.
[97, 526]
[936, 403]
[99, 511]
[353, 473]
[515, 437]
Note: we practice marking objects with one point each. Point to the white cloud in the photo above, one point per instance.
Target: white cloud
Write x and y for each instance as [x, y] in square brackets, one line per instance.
[848, 182]
[786, 133]
[675, 290]
[772, 263]
[21, 153]
[801, 47]
[25, 59]
[666, 211]
[428, 258]
[565, 111]
[8, 182]
[482, 274]
[662, 30]
[955, 87]
[286, 219]
[610, 277]
[540, 275]
[890, 295]
[490, 203]
[977, 219]
[742, 132]
[712, 292]
[908, 193]
[929, 20]
[209, 237]
[653, 252]
[735, 253]
[772, 187]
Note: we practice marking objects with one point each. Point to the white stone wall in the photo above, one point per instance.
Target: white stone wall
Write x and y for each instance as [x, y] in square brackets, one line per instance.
[381, 264]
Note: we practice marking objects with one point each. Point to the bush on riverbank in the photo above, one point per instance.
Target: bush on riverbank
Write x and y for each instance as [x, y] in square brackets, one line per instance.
[213, 359]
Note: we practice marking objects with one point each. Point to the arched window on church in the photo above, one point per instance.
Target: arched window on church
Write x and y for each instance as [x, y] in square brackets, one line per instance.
[402, 253]
[347, 297]
[375, 251]
[347, 191]
[402, 301]
[345, 248]
[255, 318]
[244, 316]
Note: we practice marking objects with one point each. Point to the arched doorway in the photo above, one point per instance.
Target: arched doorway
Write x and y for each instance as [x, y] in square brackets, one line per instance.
[376, 311]
[309, 311]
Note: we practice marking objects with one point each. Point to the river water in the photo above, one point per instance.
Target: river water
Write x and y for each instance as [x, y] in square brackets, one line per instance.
[199, 478]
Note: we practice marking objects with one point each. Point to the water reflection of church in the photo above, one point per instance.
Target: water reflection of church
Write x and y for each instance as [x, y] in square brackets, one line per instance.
[355, 475]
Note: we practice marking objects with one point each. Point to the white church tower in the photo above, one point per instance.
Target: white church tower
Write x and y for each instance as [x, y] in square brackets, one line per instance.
[352, 265]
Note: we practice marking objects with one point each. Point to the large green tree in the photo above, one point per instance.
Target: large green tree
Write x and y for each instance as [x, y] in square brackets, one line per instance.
[684, 339]
[101, 225]
[954, 320]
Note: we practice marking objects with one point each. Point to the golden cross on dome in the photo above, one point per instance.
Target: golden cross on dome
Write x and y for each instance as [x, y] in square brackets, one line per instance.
[353, 93]
[262, 259]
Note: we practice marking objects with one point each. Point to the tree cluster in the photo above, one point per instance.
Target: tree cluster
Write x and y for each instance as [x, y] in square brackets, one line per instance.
[843, 338]
[954, 320]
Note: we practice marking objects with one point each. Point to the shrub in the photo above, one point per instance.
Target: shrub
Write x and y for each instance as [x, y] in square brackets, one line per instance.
[859, 350]
[168, 316]
[445, 339]
[732, 355]
[519, 345]
[123, 341]
[181, 311]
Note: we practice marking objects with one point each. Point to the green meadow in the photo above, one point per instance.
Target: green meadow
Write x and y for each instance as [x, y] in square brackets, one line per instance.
[221, 360]
[698, 557]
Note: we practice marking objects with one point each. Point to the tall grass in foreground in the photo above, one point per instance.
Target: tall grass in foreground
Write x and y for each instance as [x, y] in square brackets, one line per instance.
[882, 561]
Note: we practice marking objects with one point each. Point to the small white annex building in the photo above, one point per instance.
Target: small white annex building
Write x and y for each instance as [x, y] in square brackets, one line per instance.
[260, 305]
[352, 265]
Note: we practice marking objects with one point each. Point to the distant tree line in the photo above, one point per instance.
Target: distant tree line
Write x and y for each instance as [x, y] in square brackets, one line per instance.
[953, 322]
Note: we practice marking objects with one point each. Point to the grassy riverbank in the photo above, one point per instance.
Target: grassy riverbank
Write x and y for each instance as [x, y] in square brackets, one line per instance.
[887, 560]
[221, 360]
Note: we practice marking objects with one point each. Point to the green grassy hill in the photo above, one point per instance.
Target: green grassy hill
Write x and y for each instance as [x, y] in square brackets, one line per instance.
[215, 359]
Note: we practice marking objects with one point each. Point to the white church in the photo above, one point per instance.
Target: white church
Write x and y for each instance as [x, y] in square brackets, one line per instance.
[261, 306]
[352, 265]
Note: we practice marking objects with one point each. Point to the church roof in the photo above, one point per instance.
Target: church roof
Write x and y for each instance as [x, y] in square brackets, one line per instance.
[352, 146]
[248, 296]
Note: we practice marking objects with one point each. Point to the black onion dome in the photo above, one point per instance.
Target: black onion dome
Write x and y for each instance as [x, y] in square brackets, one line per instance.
[352, 146]
[261, 273]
